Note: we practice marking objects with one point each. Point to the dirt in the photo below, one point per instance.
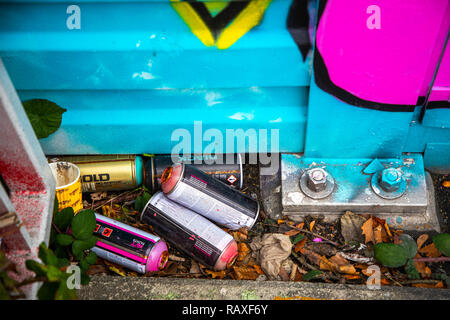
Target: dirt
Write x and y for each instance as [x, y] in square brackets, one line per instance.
[315, 231]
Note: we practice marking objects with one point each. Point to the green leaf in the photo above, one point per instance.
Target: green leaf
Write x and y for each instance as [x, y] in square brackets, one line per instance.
[141, 201]
[45, 116]
[36, 267]
[83, 224]
[409, 244]
[63, 262]
[54, 274]
[64, 293]
[91, 258]
[298, 238]
[84, 279]
[3, 293]
[78, 246]
[61, 252]
[46, 255]
[48, 291]
[63, 218]
[84, 265]
[411, 270]
[442, 243]
[64, 239]
[390, 254]
[312, 275]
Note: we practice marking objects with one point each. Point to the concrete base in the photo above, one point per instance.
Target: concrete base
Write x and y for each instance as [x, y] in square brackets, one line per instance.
[415, 212]
[132, 288]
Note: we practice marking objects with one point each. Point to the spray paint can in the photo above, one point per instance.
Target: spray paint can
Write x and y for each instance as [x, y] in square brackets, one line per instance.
[129, 247]
[108, 172]
[126, 172]
[229, 173]
[209, 197]
[190, 232]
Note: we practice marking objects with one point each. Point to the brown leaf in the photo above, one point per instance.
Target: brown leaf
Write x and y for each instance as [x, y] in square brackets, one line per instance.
[421, 240]
[440, 284]
[311, 225]
[245, 273]
[430, 251]
[388, 231]
[311, 255]
[292, 232]
[378, 237]
[351, 276]
[217, 274]
[300, 225]
[283, 274]
[367, 230]
[243, 251]
[299, 245]
[342, 265]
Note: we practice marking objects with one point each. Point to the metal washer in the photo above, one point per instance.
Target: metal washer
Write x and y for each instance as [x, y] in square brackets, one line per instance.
[313, 194]
[385, 194]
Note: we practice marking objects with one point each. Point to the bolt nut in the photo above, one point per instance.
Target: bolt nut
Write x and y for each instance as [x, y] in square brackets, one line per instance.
[390, 179]
[316, 179]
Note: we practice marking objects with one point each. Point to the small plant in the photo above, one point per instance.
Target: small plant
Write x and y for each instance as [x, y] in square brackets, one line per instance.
[396, 255]
[71, 238]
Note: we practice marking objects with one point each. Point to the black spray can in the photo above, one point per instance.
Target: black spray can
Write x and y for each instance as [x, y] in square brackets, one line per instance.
[211, 198]
[218, 166]
[190, 232]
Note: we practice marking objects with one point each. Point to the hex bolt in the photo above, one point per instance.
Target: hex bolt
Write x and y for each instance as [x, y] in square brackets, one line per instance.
[316, 179]
[390, 179]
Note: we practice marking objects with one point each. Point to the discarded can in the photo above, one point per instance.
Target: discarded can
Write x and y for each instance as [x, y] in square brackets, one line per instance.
[229, 172]
[129, 247]
[209, 197]
[108, 172]
[190, 232]
[126, 172]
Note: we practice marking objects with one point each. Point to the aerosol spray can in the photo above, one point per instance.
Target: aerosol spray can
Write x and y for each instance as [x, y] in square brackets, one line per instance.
[129, 247]
[209, 197]
[190, 232]
[108, 172]
[229, 173]
[126, 172]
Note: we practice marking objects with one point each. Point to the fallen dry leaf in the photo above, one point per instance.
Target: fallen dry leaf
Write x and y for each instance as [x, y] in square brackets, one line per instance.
[311, 225]
[388, 231]
[311, 255]
[283, 274]
[423, 269]
[299, 245]
[430, 251]
[246, 272]
[351, 276]
[440, 284]
[96, 196]
[421, 240]
[216, 274]
[377, 234]
[243, 251]
[367, 230]
[292, 232]
[300, 225]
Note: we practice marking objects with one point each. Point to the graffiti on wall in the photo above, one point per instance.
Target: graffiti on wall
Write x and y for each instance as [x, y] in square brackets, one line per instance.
[220, 23]
[380, 56]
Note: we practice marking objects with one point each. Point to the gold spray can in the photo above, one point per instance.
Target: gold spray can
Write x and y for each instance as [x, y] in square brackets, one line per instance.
[108, 172]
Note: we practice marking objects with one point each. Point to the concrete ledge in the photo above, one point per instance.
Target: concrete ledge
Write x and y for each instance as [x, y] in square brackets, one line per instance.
[132, 288]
